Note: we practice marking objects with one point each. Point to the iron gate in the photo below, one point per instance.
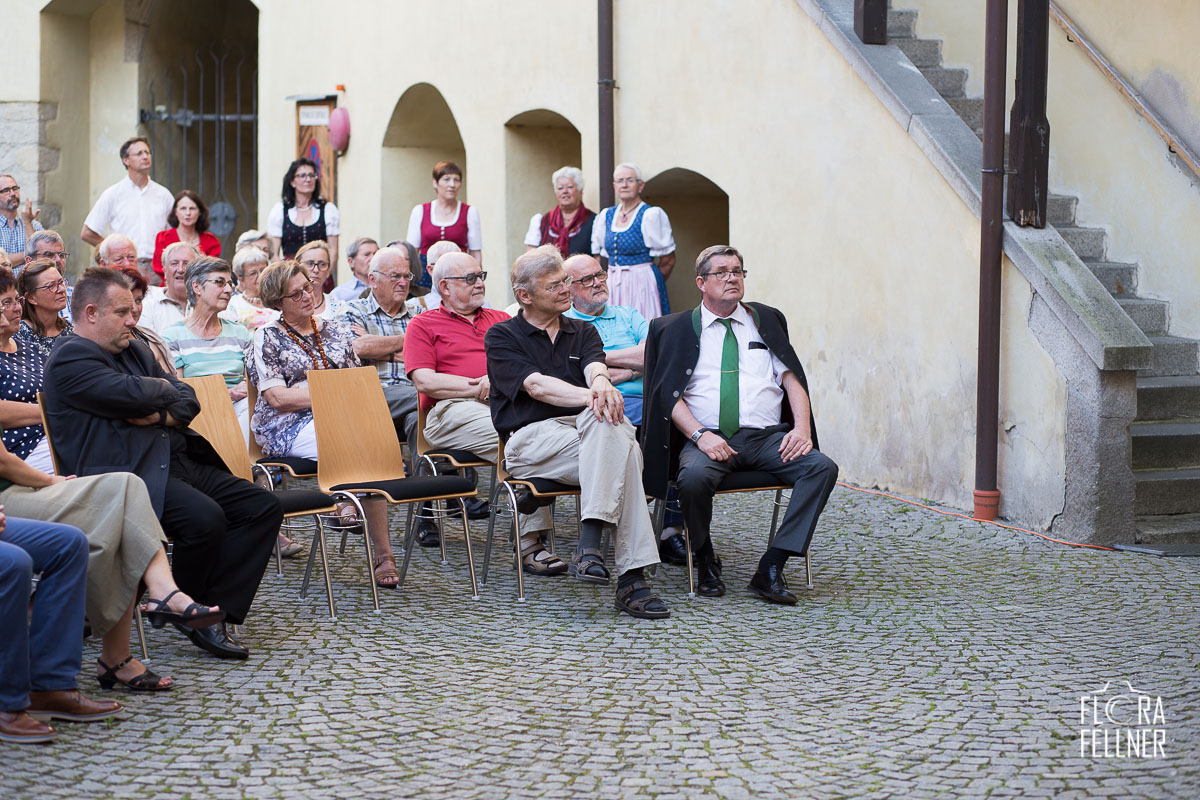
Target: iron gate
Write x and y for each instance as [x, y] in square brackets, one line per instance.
[203, 128]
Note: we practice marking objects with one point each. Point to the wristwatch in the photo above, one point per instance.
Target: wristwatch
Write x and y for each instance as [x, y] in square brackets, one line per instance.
[699, 432]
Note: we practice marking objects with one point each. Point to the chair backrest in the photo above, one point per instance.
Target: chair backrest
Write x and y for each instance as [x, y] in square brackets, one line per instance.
[218, 423]
[356, 439]
[422, 444]
[252, 399]
[41, 400]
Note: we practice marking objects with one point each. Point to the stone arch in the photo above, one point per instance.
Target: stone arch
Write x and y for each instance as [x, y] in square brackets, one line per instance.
[421, 132]
[699, 214]
[536, 143]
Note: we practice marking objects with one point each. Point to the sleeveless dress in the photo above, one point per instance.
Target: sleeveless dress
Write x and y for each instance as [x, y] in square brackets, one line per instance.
[432, 233]
[294, 236]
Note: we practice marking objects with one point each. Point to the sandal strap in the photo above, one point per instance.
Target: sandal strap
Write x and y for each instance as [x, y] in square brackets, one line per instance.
[112, 671]
[161, 605]
[549, 560]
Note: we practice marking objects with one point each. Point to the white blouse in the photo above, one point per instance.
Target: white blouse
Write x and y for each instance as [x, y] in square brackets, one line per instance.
[656, 230]
[474, 234]
[333, 220]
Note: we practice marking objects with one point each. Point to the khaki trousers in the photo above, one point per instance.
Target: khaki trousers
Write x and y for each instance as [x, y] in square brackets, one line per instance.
[604, 460]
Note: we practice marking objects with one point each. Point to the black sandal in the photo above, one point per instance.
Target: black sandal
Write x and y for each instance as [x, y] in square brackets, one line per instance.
[587, 565]
[638, 600]
[194, 616]
[146, 682]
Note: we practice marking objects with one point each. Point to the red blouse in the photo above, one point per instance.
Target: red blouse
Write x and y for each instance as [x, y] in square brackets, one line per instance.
[209, 245]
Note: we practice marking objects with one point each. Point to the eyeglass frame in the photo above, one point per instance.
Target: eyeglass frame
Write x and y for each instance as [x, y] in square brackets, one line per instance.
[60, 283]
[726, 275]
[10, 189]
[469, 280]
[64, 255]
[394, 277]
[588, 281]
[295, 296]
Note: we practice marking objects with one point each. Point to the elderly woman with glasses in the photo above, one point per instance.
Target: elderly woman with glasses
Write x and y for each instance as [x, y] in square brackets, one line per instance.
[245, 307]
[317, 258]
[43, 291]
[303, 215]
[204, 344]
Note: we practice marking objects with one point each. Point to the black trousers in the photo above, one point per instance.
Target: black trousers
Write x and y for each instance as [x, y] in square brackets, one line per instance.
[224, 531]
[812, 476]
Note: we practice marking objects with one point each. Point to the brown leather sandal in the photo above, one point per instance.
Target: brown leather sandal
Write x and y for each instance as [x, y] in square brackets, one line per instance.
[385, 570]
[537, 560]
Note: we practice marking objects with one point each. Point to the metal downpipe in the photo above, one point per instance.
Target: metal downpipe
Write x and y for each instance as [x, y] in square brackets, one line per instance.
[606, 83]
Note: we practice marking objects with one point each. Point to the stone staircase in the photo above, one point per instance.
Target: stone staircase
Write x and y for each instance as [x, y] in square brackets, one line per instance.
[1166, 432]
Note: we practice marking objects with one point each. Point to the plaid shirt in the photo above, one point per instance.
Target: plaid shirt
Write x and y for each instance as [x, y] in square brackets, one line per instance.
[12, 234]
[367, 313]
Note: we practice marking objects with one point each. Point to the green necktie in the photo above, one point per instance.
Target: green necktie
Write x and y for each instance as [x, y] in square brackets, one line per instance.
[729, 418]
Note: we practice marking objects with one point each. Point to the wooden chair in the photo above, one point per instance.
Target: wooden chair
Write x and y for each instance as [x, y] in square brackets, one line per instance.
[217, 422]
[360, 455]
[734, 483]
[506, 486]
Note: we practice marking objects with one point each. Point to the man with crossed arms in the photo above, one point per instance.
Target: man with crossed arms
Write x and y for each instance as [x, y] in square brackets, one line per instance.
[727, 379]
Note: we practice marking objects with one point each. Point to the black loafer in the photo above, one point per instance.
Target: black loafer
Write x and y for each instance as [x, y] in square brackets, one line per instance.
[708, 579]
[477, 508]
[673, 550]
[770, 584]
[428, 534]
[216, 640]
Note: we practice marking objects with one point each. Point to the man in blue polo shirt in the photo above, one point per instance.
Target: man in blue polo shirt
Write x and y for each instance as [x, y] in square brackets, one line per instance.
[623, 329]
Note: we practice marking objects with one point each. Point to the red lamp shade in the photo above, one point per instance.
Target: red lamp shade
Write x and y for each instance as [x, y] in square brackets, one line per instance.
[339, 129]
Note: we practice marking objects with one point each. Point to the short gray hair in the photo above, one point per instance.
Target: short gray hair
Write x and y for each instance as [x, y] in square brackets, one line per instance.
[709, 253]
[244, 258]
[31, 246]
[637, 171]
[200, 269]
[574, 173]
[106, 246]
[391, 250]
[248, 237]
[439, 249]
[356, 245]
[534, 264]
[166, 255]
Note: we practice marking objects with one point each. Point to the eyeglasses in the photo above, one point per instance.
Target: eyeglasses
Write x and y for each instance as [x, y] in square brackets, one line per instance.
[394, 277]
[588, 281]
[315, 264]
[10, 189]
[306, 176]
[295, 296]
[626, 181]
[726, 274]
[220, 283]
[10, 304]
[469, 280]
[52, 285]
[52, 256]
[558, 286]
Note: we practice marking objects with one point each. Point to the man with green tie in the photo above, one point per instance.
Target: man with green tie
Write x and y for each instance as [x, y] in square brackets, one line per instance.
[725, 391]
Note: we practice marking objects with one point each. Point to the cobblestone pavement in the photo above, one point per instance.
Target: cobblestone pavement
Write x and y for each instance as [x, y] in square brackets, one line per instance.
[934, 657]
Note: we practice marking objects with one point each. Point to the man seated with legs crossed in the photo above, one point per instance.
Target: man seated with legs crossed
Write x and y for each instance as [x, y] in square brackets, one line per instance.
[446, 361]
[112, 408]
[562, 419]
[725, 376]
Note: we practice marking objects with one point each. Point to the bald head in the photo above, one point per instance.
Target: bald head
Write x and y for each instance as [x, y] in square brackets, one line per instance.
[589, 284]
[460, 281]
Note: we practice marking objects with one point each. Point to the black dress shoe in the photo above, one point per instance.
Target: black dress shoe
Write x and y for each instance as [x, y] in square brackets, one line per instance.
[428, 534]
[527, 502]
[216, 640]
[708, 578]
[769, 584]
[673, 550]
[477, 508]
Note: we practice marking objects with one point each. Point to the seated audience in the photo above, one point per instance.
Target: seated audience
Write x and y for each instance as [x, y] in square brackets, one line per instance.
[40, 655]
[43, 293]
[245, 307]
[113, 409]
[567, 226]
[283, 353]
[21, 367]
[118, 250]
[315, 257]
[358, 256]
[157, 344]
[189, 224]
[726, 377]
[46, 246]
[430, 299]
[167, 304]
[562, 419]
[203, 344]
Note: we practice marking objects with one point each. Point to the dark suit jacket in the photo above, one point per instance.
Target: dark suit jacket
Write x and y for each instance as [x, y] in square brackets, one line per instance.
[672, 350]
[89, 395]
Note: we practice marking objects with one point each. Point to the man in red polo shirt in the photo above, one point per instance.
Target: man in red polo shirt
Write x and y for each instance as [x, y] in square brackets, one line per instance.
[445, 359]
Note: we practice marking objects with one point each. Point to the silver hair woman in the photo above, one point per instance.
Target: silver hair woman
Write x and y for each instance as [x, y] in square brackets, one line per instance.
[245, 307]
[567, 226]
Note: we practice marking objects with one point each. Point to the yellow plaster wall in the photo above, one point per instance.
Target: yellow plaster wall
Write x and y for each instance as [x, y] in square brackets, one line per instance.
[22, 52]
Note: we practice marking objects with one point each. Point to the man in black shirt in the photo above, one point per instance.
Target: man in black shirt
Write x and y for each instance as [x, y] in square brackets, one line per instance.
[113, 409]
[562, 419]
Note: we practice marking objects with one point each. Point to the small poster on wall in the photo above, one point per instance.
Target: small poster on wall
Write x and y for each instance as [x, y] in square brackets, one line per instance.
[312, 141]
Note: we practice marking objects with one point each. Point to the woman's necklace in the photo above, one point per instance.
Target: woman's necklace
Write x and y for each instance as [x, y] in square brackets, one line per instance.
[324, 363]
[624, 215]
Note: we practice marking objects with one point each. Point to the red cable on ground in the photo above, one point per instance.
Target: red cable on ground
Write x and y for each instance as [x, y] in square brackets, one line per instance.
[964, 516]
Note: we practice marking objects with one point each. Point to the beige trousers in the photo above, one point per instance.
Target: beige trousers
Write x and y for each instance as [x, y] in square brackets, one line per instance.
[604, 460]
[461, 423]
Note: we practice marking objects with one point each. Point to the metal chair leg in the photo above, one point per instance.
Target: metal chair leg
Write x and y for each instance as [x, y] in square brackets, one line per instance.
[775, 516]
[278, 557]
[470, 556]
[350, 498]
[141, 629]
[410, 536]
[808, 569]
[687, 540]
[487, 550]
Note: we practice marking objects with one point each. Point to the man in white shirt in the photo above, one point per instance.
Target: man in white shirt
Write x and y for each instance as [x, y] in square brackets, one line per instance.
[135, 206]
[358, 256]
[167, 304]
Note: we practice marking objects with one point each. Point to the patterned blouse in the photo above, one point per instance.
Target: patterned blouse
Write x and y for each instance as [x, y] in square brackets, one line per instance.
[20, 381]
[278, 360]
[43, 344]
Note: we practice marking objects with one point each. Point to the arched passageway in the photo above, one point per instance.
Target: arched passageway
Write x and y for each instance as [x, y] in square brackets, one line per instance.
[699, 214]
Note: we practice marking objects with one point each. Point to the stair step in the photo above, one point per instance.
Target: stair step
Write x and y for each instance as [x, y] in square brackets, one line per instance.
[1165, 445]
[1166, 491]
[1060, 209]
[1118, 278]
[1169, 397]
[921, 52]
[970, 109]
[1148, 314]
[947, 81]
[902, 23]
[1168, 529]
[1088, 243]
[1173, 355]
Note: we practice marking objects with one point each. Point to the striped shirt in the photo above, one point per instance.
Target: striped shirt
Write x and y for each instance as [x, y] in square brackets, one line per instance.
[12, 234]
[224, 355]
